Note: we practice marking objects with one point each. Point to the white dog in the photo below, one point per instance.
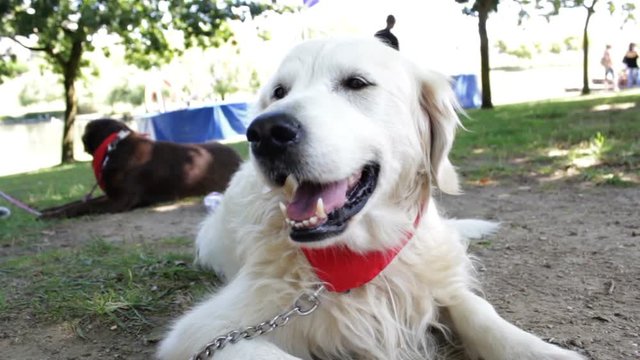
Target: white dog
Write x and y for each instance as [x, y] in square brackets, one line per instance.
[350, 141]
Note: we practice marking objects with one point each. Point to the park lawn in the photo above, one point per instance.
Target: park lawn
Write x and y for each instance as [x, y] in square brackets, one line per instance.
[116, 285]
[119, 286]
[41, 189]
[594, 140]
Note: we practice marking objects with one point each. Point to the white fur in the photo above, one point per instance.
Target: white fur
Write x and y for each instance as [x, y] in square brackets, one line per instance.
[406, 122]
[473, 229]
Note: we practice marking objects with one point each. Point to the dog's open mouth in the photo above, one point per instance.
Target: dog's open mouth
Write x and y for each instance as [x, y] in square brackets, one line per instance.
[319, 211]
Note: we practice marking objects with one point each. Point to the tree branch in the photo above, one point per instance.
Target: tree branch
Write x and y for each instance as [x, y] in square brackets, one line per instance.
[45, 49]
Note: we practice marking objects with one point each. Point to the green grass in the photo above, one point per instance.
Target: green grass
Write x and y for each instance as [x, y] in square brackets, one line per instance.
[123, 285]
[51, 186]
[242, 148]
[595, 140]
[41, 189]
[3, 302]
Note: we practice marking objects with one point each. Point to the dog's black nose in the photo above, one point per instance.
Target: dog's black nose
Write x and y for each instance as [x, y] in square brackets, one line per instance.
[271, 134]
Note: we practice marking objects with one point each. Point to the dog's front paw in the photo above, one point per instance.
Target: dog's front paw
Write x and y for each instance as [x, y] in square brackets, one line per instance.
[50, 214]
[519, 346]
[537, 350]
[558, 353]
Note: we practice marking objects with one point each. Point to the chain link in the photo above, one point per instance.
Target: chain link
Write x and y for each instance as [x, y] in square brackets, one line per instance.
[305, 304]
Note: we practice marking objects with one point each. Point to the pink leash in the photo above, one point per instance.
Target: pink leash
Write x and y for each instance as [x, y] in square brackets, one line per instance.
[20, 204]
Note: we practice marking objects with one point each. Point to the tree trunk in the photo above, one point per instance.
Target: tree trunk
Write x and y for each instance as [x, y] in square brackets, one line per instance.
[585, 51]
[483, 15]
[70, 73]
[70, 112]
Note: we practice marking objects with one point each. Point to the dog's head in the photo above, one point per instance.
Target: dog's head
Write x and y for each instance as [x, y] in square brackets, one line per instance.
[353, 133]
[97, 131]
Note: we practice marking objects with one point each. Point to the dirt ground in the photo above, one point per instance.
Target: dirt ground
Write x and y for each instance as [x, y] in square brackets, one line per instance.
[564, 265]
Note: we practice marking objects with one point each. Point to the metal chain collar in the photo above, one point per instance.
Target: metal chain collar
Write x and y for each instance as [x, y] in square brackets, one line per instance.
[305, 304]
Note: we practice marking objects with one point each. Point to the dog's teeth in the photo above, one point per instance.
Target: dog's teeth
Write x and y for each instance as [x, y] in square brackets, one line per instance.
[283, 208]
[305, 223]
[313, 220]
[320, 209]
[290, 185]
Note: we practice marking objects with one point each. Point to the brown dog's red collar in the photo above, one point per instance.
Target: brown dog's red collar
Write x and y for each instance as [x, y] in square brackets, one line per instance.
[100, 156]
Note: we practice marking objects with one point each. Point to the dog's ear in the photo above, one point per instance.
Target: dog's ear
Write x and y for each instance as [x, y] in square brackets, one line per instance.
[439, 109]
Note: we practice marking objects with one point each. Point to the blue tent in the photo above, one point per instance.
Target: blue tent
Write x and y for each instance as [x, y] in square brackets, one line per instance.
[467, 91]
[198, 125]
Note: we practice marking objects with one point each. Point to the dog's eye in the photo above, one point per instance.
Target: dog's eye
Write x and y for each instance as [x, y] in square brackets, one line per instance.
[355, 83]
[279, 92]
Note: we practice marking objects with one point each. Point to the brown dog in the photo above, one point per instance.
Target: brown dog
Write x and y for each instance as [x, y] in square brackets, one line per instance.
[135, 171]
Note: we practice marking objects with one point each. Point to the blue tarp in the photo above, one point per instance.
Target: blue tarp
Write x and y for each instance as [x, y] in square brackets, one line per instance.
[467, 91]
[199, 125]
[310, 3]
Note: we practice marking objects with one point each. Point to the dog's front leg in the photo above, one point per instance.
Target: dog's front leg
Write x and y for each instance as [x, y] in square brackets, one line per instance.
[78, 208]
[216, 245]
[487, 336]
[233, 307]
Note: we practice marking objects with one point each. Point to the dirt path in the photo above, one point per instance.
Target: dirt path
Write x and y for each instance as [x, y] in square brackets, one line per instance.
[564, 265]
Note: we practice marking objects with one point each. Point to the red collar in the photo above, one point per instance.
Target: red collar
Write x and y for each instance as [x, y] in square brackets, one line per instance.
[99, 157]
[343, 269]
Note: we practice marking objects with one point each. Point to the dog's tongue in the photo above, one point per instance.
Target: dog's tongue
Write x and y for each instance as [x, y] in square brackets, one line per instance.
[303, 206]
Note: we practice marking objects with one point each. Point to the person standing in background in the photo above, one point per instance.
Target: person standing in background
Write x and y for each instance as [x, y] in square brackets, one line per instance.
[631, 61]
[606, 62]
[386, 36]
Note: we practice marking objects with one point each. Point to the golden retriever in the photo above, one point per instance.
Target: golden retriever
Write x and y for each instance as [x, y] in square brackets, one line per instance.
[349, 143]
